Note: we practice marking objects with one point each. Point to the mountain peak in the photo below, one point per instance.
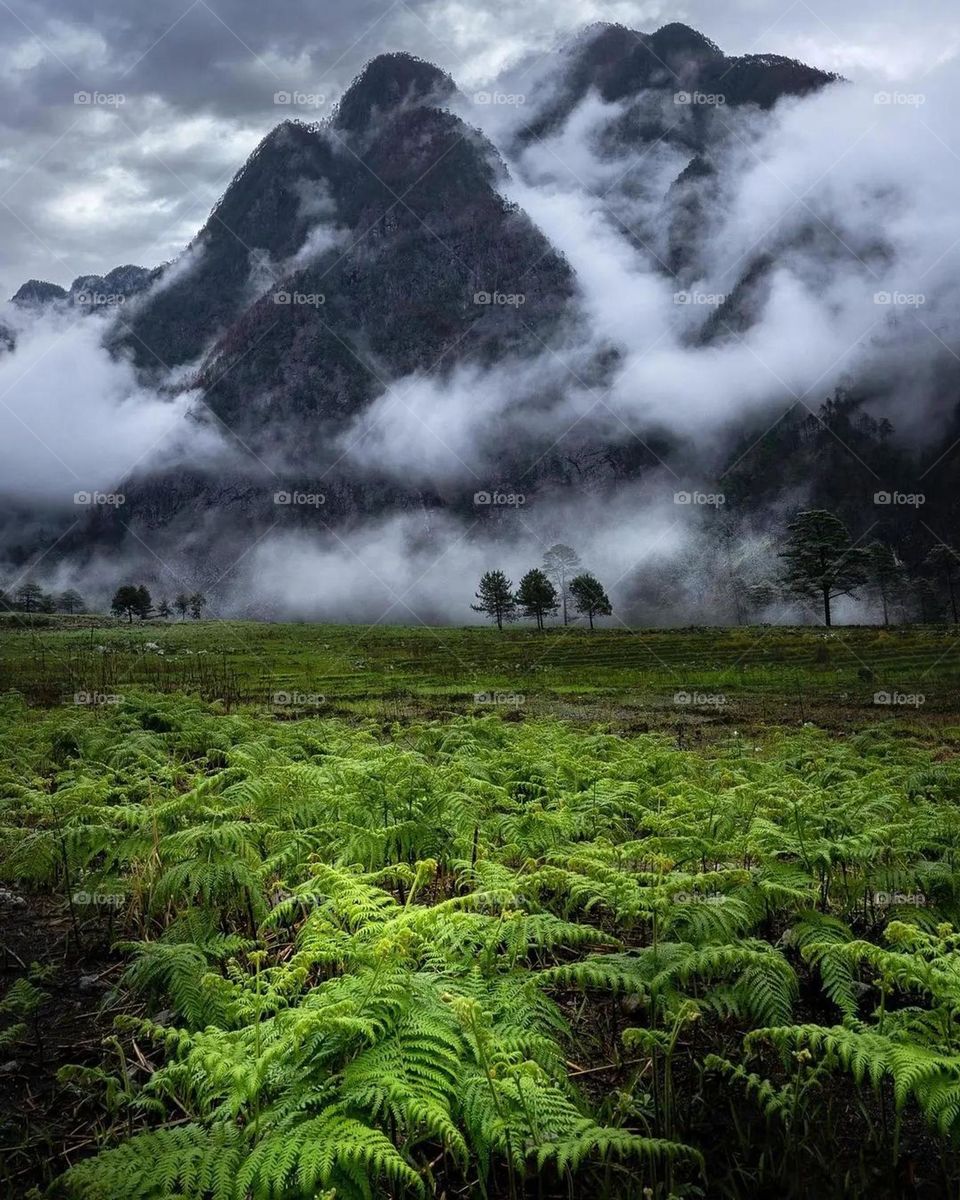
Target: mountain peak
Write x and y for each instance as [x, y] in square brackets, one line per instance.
[37, 292]
[677, 40]
[389, 81]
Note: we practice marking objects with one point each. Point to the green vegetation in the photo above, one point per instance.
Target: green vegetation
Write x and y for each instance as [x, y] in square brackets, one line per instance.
[496, 597]
[821, 561]
[765, 676]
[589, 597]
[537, 598]
[492, 953]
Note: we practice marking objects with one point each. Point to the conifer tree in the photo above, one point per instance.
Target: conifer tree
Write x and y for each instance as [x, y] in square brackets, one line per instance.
[496, 597]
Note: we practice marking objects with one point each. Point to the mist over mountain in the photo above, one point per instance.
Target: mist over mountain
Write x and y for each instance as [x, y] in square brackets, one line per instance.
[654, 272]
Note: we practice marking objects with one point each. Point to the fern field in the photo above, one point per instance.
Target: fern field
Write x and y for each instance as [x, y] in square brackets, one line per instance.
[487, 958]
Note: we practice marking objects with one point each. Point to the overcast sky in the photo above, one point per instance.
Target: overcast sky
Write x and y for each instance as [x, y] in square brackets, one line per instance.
[182, 90]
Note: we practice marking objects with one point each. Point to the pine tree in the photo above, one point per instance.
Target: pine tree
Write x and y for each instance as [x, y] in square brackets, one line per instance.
[559, 563]
[126, 602]
[945, 560]
[821, 561]
[144, 603]
[70, 601]
[29, 597]
[198, 602]
[496, 598]
[182, 604]
[589, 596]
[884, 574]
[536, 596]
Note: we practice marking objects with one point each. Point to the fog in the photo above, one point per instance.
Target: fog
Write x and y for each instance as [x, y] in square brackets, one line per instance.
[75, 419]
[852, 197]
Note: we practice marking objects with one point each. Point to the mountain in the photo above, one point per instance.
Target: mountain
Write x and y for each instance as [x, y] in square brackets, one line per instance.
[36, 293]
[116, 287]
[379, 246]
[676, 64]
[414, 195]
[420, 229]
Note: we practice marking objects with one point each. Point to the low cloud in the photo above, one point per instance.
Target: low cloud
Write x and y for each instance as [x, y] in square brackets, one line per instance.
[74, 419]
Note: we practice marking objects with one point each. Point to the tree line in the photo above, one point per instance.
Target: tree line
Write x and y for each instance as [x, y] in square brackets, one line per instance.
[823, 563]
[31, 598]
[543, 591]
[819, 563]
[131, 601]
[819, 560]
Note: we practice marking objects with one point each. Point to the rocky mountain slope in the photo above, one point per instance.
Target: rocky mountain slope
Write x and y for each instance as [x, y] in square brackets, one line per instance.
[380, 246]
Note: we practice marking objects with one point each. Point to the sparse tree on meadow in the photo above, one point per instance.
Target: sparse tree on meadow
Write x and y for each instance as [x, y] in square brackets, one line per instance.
[71, 601]
[761, 595]
[496, 598]
[198, 602]
[946, 563]
[559, 563]
[131, 601]
[928, 604]
[29, 597]
[144, 603]
[164, 611]
[536, 596]
[126, 602]
[590, 598]
[182, 604]
[885, 575]
[821, 561]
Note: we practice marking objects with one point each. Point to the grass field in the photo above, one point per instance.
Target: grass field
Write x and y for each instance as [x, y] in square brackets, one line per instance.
[751, 676]
[290, 912]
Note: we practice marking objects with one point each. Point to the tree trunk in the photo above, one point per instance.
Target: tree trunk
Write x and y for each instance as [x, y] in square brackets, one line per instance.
[953, 596]
[826, 604]
[590, 615]
[886, 615]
